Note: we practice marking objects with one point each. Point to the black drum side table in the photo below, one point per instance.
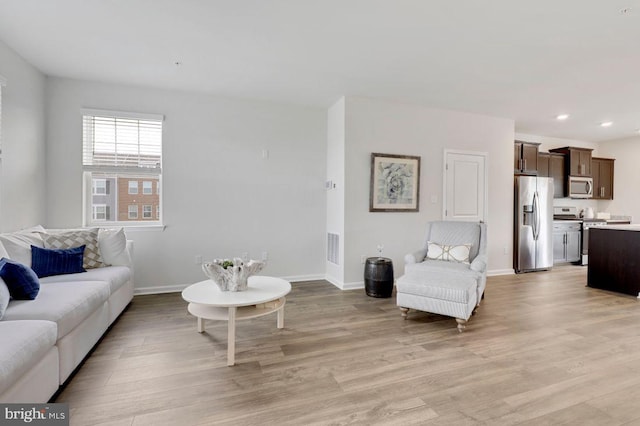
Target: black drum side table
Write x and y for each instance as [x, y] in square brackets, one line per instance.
[378, 277]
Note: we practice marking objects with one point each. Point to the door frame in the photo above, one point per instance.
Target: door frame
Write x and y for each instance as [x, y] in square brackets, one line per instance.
[485, 156]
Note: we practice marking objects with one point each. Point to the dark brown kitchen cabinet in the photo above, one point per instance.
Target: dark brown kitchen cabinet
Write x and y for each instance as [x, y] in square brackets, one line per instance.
[577, 160]
[557, 172]
[602, 173]
[552, 165]
[525, 158]
[543, 164]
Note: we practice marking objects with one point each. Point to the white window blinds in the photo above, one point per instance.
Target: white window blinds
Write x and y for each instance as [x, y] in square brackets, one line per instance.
[122, 142]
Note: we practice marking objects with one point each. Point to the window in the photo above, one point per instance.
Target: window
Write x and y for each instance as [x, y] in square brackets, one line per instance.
[133, 187]
[99, 187]
[100, 212]
[133, 211]
[157, 212]
[147, 187]
[120, 150]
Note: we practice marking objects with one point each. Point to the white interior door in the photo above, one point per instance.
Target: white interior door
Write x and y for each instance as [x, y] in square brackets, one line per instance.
[465, 186]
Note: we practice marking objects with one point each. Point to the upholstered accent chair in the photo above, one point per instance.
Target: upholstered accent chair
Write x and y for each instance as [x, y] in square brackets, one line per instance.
[447, 276]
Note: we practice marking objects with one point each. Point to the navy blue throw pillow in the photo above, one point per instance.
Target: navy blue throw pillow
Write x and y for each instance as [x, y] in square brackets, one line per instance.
[47, 262]
[22, 282]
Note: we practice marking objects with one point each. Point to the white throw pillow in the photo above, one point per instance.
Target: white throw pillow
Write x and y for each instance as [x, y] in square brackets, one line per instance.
[4, 297]
[113, 246]
[18, 244]
[449, 253]
[3, 252]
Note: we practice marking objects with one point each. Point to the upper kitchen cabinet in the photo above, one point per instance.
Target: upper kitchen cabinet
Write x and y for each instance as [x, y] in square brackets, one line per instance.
[543, 164]
[552, 165]
[526, 158]
[602, 173]
[577, 160]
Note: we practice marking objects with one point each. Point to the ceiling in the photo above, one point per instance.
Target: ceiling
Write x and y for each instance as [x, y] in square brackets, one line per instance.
[525, 60]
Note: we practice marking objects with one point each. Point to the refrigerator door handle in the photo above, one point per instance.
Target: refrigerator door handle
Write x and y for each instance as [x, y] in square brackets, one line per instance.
[536, 216]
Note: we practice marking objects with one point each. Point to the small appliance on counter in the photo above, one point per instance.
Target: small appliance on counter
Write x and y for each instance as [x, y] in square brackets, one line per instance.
[587, 213]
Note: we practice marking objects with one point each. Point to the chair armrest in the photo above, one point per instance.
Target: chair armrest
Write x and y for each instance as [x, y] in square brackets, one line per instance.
[415, 257]
[479, 264]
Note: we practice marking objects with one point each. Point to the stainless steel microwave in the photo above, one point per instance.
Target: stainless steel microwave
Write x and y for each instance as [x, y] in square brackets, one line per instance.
[580, 187]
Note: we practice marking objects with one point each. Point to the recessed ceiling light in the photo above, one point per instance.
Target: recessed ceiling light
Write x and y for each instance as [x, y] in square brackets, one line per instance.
[562, 117]
[606, 123]
[625, 10]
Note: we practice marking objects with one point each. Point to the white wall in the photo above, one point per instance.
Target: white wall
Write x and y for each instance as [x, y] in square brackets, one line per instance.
[22, 178]
[626, 198]
[394, 128]
[335, 195]
[221, 198]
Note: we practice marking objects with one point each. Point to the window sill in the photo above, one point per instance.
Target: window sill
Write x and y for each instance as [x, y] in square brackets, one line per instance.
[133, 228]
[136, 228]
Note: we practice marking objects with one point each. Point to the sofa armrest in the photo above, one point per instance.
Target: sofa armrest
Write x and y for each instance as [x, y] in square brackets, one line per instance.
[479, 264]
[415, 257]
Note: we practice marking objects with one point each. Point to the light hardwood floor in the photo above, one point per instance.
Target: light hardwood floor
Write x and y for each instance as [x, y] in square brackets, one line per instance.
[542, 349]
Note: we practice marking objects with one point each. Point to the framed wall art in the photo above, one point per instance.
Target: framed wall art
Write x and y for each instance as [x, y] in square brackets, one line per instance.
[395, 183]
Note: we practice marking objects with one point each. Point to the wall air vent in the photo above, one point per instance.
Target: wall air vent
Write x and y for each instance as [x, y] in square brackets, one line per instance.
[333, 248]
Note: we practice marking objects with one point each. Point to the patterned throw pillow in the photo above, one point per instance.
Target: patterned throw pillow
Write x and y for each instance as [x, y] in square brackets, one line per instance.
[76, 238]
[458, 254]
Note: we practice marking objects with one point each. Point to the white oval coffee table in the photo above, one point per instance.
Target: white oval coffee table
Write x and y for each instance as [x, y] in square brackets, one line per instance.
[264, 296]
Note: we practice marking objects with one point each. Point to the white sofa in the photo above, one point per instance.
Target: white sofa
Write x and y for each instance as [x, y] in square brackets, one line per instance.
[45, 339]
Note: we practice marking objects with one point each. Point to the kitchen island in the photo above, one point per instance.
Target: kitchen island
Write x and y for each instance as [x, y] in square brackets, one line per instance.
[614, 258]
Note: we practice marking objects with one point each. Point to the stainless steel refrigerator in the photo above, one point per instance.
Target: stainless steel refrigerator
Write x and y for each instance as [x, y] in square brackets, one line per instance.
[533, 221]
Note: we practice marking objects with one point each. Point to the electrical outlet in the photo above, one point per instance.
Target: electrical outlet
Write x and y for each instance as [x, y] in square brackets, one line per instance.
[363, 259]
[198, 259]
[505, 250]
[265, 255]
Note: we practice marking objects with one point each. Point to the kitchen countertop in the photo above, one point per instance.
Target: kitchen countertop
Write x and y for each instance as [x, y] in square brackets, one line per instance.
[621, 227]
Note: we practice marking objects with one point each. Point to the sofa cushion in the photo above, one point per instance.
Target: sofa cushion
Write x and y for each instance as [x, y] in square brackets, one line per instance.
[47, 262]
[76, 238]
[5, 296]
[115, 276]
[24, 343]
[65, 303]
[439, 285]
[18, 244]
[22, 282]
[439, 266]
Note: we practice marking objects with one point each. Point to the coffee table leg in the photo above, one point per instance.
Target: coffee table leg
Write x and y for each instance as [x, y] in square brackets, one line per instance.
[200, 325]
[281, 317]
[231, 337]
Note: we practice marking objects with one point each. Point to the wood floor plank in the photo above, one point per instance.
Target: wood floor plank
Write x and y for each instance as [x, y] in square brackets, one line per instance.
[542, 349]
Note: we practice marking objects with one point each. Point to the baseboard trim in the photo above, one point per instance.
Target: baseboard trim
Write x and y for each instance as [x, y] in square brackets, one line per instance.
[160, 289]
[345, 286]
[179, 287]
[496, 272]
[300, 278]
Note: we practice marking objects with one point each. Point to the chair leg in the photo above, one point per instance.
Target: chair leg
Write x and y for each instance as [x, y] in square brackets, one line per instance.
[461, 324]
[404, 312]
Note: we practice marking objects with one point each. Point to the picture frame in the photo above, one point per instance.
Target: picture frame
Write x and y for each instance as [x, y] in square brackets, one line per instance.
[395, 183]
